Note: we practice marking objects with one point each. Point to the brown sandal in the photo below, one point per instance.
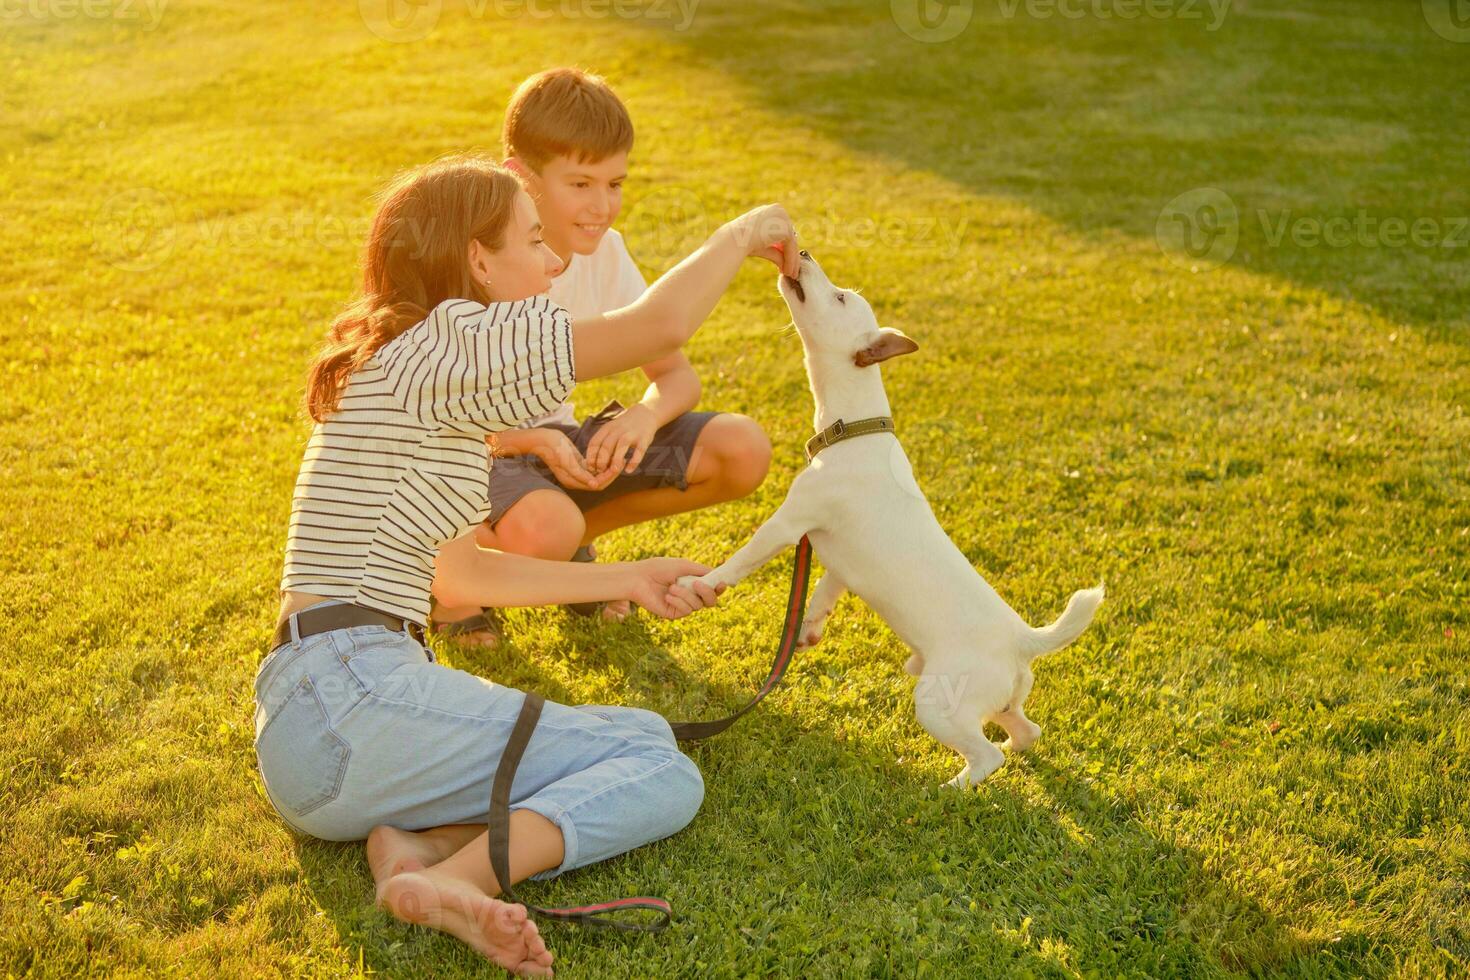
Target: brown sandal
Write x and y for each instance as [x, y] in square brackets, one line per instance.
[584, 554]
[485, 621]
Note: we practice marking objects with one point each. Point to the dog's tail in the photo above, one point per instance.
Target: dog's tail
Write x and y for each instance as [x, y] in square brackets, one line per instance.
[1068, 626]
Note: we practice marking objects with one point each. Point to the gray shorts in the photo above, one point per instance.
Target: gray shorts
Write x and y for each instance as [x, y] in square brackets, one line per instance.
[666, 464]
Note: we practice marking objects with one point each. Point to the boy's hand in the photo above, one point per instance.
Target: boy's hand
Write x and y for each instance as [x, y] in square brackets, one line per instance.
[767, 232]
[625, 437]
[560, 455]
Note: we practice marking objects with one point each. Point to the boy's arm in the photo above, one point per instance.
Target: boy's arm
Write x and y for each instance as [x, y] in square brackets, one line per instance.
[673, 385]
[673, 388]
[620, 444]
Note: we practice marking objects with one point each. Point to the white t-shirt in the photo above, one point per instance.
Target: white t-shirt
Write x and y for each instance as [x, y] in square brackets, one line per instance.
[606, 280]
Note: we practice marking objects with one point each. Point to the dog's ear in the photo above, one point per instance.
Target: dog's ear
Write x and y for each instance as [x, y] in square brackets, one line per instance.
[890, 343]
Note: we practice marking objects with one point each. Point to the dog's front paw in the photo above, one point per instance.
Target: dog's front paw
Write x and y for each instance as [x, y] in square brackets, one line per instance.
[709, 578]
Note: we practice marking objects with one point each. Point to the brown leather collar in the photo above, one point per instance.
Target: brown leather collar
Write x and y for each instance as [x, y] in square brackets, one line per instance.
[840, 430]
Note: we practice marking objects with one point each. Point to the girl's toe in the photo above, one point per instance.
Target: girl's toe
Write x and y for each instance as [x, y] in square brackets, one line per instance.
[510, 918]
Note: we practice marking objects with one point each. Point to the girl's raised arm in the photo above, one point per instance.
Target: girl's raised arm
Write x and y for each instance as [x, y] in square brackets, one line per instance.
[664, 318]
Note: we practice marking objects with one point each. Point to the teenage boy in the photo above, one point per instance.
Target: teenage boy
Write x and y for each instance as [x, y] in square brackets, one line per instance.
[559, 483]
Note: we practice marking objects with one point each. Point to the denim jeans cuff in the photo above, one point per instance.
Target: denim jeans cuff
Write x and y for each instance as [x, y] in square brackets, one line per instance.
[568, 830]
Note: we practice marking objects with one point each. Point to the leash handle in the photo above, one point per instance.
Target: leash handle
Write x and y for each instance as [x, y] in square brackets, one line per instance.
[599, 914]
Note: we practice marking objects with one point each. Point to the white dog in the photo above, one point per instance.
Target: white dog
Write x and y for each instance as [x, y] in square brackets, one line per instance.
[876, 536]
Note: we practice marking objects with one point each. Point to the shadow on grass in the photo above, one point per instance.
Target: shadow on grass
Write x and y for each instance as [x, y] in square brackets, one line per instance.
[1173, 914]
[647, 672]
[888, 868]
[1326, 112]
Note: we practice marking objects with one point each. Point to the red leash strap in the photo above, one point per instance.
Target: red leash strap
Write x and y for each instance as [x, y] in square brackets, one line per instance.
[801, 573]
[605, 913]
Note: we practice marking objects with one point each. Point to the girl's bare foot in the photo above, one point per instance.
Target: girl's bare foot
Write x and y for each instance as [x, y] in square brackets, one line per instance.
[498, 930]
[391, 851]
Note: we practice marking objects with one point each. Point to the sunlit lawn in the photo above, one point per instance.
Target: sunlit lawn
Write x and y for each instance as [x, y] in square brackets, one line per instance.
[1255, 761]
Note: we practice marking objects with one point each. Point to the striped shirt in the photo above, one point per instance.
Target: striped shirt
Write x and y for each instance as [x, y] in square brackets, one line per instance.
[402, 466]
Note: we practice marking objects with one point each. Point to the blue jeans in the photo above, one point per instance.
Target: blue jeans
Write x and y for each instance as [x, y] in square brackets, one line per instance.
[359, 727]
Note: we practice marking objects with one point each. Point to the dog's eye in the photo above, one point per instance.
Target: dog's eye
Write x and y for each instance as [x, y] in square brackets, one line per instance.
[842, 298]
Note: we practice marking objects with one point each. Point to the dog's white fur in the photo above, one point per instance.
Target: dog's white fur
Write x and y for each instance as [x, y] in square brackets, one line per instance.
[877, 537]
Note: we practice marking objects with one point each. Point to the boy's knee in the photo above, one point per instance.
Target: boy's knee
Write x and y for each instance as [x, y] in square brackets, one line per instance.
[744, 452]
[543, 524]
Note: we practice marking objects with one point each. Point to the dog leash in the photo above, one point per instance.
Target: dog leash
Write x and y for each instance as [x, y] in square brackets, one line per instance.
[499, 835]
[801, 573]
[606, 914]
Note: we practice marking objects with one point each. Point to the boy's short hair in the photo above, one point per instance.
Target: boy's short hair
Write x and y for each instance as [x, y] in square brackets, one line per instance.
[565, 112]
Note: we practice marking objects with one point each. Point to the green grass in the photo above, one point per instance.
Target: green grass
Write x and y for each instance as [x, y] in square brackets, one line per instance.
[1254, 762]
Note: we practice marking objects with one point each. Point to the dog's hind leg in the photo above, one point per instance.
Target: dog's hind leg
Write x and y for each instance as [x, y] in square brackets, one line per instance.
[824, 600]
[1023, 731]
[954, 720]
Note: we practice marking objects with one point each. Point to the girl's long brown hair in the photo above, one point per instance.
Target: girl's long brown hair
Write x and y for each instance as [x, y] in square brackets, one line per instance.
[417, 257]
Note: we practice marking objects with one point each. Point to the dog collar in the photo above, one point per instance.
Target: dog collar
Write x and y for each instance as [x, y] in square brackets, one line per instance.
[840, 430]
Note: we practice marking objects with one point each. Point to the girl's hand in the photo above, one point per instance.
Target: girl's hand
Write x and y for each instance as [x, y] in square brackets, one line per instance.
[560, 455]
[767, 232]
[652, 584]
[629, 432]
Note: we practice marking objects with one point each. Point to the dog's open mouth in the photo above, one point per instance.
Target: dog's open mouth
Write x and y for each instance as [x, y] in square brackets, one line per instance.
[795, 285]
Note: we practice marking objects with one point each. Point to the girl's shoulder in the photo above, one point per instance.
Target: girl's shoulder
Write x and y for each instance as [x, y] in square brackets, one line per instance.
[452, 319]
